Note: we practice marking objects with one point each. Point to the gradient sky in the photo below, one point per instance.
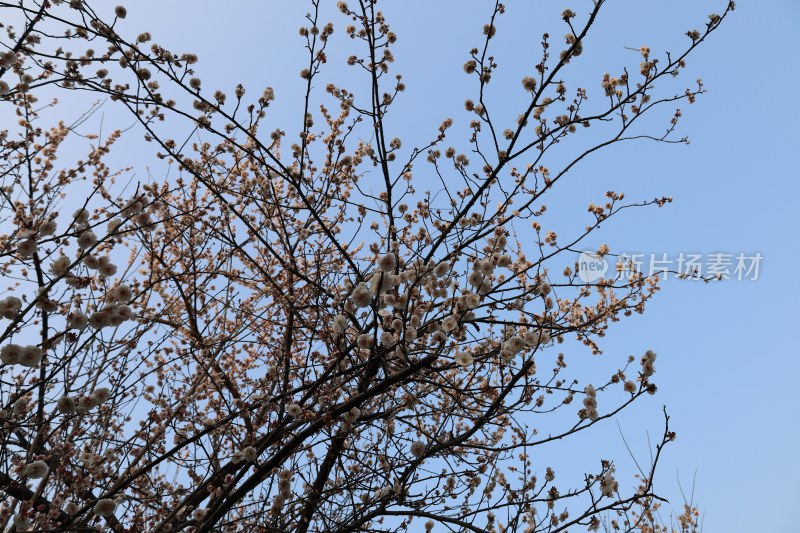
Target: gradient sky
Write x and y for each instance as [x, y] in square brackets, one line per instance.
[728, 359]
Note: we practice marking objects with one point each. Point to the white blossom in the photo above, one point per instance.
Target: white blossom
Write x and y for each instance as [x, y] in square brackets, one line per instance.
[514, 344]
[648, 363]
[66, 405]
[250, 454]
[472, 300]
[91, 401]
[417, 449]
[475, 279]
[386, 338]
[364, 340]
[48, 227]
[31, 356]
[120, 293]
[608, 485]
[87, 239]
[132, 207]
[99, 320]
[104, 507]
[361, 296]
[294, 410]
[60, 265]
[590, 403]
[26, 248]
[22, 404]
[114, 225]
[77, 320]
[339, 324]
[106, 268]
[485, 267]
[143, 221]
[47, 305]
[81, 216]
[536, 338]
[352, 415]
[91, 261]
[545, 288]
[464, 359]
[449, 323]
[10, 354]
[382, 282]
[388, 262]
[36, 469]
[101, 394]
[21, 523]
[10, 307]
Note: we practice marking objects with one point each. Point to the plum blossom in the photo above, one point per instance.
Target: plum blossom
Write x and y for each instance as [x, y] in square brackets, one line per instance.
[77, 320]
[48, 227]
[250, 454]
[104, 507]
[101, 394]
[648, 364]
[365, 340]
[26, 248]
[105, 267]
[30, 356]
[472, 300]
[352, 415]
[475, 279]
[536, 338]
[10, 354]
[388, 262]
[464, 359]
[339, 324]
[608, 485]
[544, 288]
[382, 282]
[418, 449]
[87, 239]
[36, 470]
[81, 216]
[66, 405]
[60, 265]
[120, 293]
[449, 323]
[361, 296]
[590, 403]
[386, 338]
[10, 307]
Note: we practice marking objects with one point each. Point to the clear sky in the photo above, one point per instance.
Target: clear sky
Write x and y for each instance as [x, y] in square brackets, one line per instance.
[728, 357]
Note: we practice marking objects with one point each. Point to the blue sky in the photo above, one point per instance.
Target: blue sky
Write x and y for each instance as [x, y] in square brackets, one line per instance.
[728, 358]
